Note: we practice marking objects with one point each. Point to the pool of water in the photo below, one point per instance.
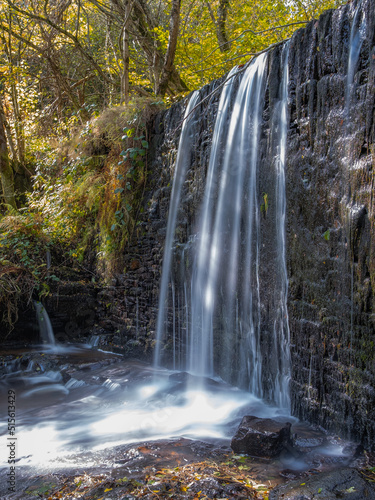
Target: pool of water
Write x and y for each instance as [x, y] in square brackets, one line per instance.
[74, 399]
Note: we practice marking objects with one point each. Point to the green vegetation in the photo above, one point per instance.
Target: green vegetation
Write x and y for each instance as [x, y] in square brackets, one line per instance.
[85, 196]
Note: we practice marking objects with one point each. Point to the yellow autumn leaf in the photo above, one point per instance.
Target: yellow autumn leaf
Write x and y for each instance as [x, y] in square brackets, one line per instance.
[108, 489]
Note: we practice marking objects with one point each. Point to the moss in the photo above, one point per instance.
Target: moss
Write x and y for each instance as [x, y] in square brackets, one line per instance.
[86, 199]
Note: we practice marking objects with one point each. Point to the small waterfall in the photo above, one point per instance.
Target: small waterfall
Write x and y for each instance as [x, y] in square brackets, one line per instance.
[45, 327]
[357, 36]
[94, 341]
[281, 331]
[182, 164]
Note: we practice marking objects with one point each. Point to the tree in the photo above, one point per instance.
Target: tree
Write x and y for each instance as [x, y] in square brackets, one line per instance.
[6, 172]
[220, 24]
[168, 67]
[143, 30]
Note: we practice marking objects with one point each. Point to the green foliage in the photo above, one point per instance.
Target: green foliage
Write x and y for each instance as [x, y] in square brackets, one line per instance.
[24, 244]
[125, 173]
[264, 205]
[82, 74]
[251, 27]
[86, 197]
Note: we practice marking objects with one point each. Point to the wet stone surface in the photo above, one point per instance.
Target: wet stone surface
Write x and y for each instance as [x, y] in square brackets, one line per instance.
[344, 483]
[262, 437]
[182, 468]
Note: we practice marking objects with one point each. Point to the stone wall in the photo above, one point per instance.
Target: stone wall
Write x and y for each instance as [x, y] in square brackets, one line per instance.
[330, 226]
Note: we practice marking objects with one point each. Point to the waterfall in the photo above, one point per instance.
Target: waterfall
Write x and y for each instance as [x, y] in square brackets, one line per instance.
[45, 327]
[280, 387]
[182, 164]
[200, 359]
[225, 295]
[215, 291]
[357, 36]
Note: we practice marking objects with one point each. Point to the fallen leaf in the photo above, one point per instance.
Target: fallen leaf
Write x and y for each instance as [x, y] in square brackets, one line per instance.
[350, 490]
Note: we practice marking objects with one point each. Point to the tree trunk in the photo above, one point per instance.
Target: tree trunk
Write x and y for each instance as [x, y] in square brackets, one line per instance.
[18, 127]
[125, 57]
[6, 172]
[220, 24]
[171, 50]
[221, 32]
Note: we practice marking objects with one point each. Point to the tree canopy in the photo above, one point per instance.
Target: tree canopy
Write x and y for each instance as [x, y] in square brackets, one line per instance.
[63, 58]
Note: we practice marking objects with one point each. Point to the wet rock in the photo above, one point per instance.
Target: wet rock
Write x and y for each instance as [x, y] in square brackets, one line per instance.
[329, 231]
[343, 483]
[262, 437]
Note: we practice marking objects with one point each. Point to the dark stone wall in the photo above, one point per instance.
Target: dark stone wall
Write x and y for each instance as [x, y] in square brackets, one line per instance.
[330, 226]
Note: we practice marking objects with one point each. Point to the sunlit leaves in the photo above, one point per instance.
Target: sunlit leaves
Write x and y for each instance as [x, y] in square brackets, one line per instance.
[57, 79]
[250, 26]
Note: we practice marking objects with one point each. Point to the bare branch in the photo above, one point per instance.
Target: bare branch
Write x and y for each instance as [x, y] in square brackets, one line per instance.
[71, 37]
[171, 49]
[212, 15]
[104, 10]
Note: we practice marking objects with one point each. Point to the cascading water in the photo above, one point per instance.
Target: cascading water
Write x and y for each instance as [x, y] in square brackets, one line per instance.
[182, 164]
[280, 389]
[357, 36]
[228, 254]
[217, 288]
[199, 315]
[45, 327]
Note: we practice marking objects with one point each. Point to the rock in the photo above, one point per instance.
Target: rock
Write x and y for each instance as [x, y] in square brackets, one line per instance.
[342, 483]
[262, 437]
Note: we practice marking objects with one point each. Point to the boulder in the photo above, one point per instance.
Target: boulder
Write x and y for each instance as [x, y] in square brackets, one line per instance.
[262, 437]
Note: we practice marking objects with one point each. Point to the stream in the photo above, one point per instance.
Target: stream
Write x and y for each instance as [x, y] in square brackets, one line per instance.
[76, 399]
[81, 408]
